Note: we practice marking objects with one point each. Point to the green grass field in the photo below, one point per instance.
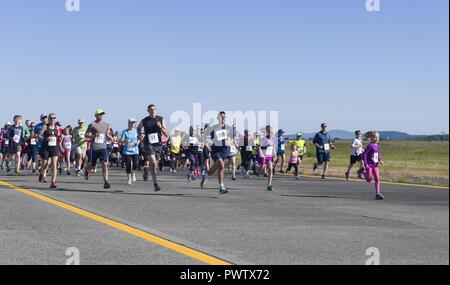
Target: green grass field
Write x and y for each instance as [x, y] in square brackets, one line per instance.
[405, 161]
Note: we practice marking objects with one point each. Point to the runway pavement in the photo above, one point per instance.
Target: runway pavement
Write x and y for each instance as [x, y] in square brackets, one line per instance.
[307, 222]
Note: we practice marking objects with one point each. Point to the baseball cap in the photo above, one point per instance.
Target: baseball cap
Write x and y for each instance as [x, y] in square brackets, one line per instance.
[323, 125]
[8, 124]
[132, 120]
[44, 116]
[281, 131]
[80, 121]
[99, 112]
[299, 134]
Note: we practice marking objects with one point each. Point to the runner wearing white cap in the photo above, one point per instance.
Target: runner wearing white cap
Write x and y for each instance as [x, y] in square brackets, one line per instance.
[130, 142]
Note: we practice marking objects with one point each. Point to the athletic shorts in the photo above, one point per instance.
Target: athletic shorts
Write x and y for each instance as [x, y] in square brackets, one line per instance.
[219, 152]
[174, 155]
[264, 160]
[4, 150]
[101, 154]
[32, 153]
[355, 158]
[14, 149]
[300, 157]
[48, 152]
[81, 152]
[281, 153]
[155, 150]
[323, 156]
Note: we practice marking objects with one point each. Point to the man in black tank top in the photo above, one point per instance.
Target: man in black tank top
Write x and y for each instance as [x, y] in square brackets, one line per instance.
[151, 130]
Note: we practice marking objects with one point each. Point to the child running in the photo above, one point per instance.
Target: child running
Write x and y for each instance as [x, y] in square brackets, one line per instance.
[372, 160]
[356, 155]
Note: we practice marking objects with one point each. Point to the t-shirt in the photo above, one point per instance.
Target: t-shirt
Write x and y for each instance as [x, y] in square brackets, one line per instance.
[300, 146]
[15, 135]
[5, 141]
[267, 146]
[281, 144]
[324, 140]
[175, 144]
[131, 146]
[98, 131]
[371, 155]
[358, 149]
[37, 130]
[79, 137]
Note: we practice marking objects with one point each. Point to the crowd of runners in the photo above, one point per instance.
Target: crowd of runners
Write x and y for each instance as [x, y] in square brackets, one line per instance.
[50, 149]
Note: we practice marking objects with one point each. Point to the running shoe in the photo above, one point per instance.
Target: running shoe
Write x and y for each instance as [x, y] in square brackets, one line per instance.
[324, 177]
[157, 188]
[106, 185]
[223, 190]
[347, 176]
[315, 167]
[379, 197]
[269, 188]
[53, 185]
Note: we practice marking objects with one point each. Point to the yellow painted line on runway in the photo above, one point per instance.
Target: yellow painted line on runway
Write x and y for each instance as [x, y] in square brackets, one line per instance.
[383, 182]
[200, 256]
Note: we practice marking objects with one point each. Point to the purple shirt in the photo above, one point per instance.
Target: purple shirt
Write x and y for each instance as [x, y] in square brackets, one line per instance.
[371, 155]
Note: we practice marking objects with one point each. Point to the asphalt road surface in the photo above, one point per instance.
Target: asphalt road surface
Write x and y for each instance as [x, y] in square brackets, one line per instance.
[308, 222]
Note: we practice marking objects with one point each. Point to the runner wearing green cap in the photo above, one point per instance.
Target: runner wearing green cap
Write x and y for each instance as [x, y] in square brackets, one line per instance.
[79, 138]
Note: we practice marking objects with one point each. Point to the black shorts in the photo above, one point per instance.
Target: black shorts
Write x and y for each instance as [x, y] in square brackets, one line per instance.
[323, 156]
[14, 149]
[355, 158]
[101, 154]
[175, 155]
[218, 152]
[300, 157]
[155, 150]
[48, 152]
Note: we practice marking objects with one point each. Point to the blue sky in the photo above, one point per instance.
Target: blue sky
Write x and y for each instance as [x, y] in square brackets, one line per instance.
[310, 60]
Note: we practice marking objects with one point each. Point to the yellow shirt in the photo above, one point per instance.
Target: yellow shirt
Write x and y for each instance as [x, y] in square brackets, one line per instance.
[175, 144]
[300, 145]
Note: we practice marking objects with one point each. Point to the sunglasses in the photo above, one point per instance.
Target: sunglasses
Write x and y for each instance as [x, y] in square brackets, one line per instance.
[52, 118]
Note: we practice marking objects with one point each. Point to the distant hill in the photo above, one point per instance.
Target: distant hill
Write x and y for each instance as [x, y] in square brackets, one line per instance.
[385, 135]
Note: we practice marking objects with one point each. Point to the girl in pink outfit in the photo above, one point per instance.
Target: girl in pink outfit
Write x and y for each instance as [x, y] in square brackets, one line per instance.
[372, 160]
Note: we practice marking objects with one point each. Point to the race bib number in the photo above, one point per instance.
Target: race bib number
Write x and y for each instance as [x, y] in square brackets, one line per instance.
[33, 141]
[153, 138]
[221, 135]
[233, 149]
[116, 145]
[82, 135]
[283, 147]
[200, 148]
[269, 151]
[100, 139]
[52, 141]
[6, 142]
[326, 147]
[193, 140]
[376, 157]
[68, 145]
[249, 148]
[16, 138]
[301, 150]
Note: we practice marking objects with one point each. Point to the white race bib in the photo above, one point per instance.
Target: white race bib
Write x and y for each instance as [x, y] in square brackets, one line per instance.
[52, 141]
[269, 151]
[16, 138]
[376, 157]
[68, 145]
[33, 141]
[283, 147]
[82, 135]
[326, 147]
[153, 138]
[193, 140]
[233, 149]
[116, 145]
[249, 148]
[221, 135]
[6, 142]
[100, 139]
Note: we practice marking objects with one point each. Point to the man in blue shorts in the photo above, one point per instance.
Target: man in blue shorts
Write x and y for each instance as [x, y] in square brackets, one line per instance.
[323, 144]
